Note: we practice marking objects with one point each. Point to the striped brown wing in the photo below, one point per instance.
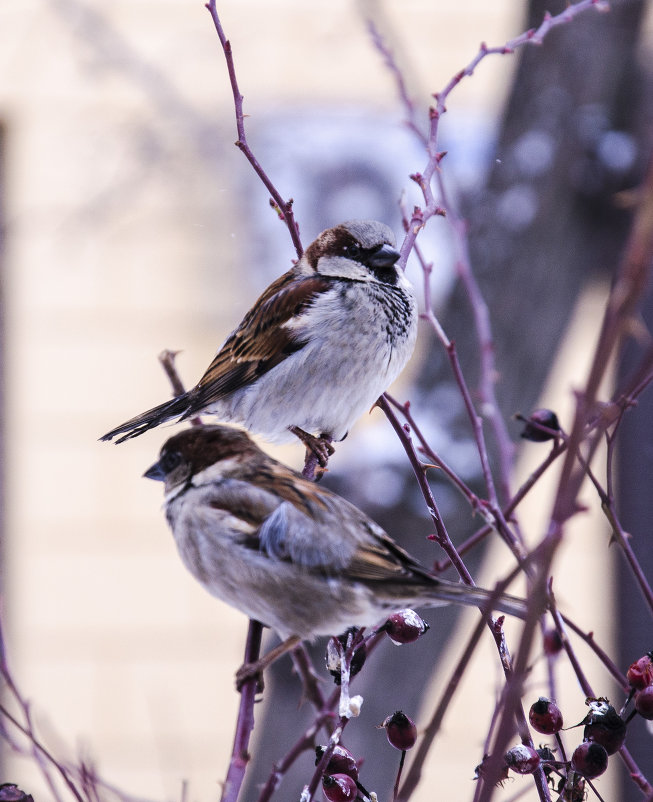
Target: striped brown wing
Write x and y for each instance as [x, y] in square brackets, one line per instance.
[382, 560]
[261, 341]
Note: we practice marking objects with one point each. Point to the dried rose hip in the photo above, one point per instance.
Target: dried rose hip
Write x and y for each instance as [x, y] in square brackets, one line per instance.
[405, 626]
[341, 762]
[603, 725]
[333, 652]
[339, 788]
[640, 673]
[522, 759]
[552, 642]
[644, 702]
[537, 419]
[10, 792]
[400, 730]
[589, 759]
[545, 716]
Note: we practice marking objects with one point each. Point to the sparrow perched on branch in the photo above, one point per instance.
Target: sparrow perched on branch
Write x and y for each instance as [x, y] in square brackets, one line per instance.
[315, 351]
[285, 551]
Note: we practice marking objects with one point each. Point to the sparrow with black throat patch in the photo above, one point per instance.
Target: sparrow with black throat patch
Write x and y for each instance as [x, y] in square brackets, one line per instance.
[316, 350]
[283, 550]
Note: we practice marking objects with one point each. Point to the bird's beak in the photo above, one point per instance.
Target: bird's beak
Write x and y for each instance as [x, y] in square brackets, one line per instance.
[155, 472]
[385, 256]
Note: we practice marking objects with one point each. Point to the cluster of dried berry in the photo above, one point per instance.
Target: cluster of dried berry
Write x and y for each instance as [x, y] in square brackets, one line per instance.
[340, 781]
[604, 734]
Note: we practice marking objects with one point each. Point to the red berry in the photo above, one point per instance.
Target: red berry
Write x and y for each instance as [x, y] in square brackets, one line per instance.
[522, 759]
[640, 674]
[341, 762]
[536, 420]
[545, 716]
[644, 702]
[589, 759]
[400, 731]
[552, 642]
[603, 725]
[339, 788]
[405, 626]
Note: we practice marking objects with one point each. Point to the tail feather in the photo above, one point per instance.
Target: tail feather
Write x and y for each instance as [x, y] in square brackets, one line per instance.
[458, 593]
[150, 419]
[504, 602]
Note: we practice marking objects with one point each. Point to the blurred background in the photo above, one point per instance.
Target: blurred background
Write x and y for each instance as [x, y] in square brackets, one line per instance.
[130, 223]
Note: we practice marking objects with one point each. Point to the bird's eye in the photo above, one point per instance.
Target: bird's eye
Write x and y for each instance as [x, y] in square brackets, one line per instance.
[353, 250]
[169, 461]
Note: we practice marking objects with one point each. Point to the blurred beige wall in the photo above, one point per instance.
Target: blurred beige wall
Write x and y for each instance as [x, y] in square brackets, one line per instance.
[125, 232]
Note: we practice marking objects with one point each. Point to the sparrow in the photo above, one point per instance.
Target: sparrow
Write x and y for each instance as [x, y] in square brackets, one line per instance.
[316, 350]
[285, 551]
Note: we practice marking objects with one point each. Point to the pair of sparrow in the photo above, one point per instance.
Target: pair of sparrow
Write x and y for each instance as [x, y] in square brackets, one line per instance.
[312, 355]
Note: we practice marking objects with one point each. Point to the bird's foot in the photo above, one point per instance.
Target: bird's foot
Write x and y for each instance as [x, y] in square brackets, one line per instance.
[248, 672]
[318, 447]
[254, 670]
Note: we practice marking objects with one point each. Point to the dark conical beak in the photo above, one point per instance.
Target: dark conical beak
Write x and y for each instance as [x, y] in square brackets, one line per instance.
[385, 256]
[155, 472]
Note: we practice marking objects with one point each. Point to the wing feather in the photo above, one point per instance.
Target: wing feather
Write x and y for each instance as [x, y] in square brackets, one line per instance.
[262, 340]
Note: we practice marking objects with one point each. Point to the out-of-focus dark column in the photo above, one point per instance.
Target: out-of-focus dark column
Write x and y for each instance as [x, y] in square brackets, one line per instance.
[633, 623]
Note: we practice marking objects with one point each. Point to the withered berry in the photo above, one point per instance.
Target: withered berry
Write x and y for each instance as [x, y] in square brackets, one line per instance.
[603, 725]
[640, 673]
[538, 418]
[400, 730]
[339, 788]
[589, 759]
[10, 792]
[644, 702]
[405, 626]
[552, 642]
[333, 657]
[341, 762]
[545, 716]
[522, 759]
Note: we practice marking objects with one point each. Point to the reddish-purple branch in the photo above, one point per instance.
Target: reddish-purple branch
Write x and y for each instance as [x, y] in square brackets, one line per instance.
[284, 207]
[245, 722]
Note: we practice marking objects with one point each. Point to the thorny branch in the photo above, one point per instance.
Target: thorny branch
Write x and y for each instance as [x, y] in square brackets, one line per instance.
[284, 207]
